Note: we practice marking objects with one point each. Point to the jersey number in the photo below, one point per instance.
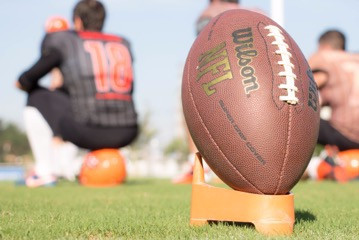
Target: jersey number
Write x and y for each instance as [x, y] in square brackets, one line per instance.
[112, 66]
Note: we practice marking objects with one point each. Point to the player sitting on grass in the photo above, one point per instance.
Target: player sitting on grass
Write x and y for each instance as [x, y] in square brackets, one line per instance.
[94, 108]
[334, 165]
[336, 73]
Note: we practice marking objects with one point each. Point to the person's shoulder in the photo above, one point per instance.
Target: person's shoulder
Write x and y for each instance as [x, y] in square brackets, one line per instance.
[327, 55]
[335, 56]
[59, 36]
[57, 40]
[117, 37]
[321, 59]
[101, 36]
[314, 56]
[352, 56]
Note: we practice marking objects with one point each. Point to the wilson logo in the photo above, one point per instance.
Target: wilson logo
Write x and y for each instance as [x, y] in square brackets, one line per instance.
[245, 53]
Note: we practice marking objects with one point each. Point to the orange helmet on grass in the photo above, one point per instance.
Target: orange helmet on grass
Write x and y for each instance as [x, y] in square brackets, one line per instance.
[349, 160]
[104, 167]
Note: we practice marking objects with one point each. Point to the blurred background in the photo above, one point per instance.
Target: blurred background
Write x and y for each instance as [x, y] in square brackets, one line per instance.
[161, 33]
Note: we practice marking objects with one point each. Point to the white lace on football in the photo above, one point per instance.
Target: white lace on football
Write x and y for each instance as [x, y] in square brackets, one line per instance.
[290, 77]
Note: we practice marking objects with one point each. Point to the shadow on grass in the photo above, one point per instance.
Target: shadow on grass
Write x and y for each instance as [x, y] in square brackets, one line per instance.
[300, 216]
[141, 181]
[229, 223]
[304, 216]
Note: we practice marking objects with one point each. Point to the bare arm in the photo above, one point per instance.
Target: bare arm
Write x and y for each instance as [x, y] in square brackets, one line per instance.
[29, 79]
[321, 77]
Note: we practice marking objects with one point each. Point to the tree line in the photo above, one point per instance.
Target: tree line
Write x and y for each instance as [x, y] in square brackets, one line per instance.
[13, 141]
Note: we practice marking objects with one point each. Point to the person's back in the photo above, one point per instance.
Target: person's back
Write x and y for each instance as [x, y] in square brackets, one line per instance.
[336, 73]
[97, 73]
[92, 109]
[341, 91]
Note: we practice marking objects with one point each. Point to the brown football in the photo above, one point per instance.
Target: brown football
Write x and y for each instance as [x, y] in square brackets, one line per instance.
[250, 103]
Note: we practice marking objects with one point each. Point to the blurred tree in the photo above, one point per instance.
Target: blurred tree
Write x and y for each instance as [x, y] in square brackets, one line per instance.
[139, 147]
[146, 132]
[179, 148]
[12, 141]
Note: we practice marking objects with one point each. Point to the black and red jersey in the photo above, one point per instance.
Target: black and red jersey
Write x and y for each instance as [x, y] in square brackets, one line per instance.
[98, 75]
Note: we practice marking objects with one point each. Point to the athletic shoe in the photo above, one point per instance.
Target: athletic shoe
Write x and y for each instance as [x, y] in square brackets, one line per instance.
[37, 181]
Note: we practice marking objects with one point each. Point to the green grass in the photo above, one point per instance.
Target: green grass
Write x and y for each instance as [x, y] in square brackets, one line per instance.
[156, 209]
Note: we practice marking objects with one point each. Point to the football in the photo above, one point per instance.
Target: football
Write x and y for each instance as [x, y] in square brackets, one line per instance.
[250, 103]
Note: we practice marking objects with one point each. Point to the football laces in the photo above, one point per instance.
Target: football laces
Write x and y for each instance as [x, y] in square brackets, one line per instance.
[289, 85]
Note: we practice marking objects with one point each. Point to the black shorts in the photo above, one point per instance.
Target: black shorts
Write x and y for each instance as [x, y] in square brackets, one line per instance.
[55, 107]
[329, 135]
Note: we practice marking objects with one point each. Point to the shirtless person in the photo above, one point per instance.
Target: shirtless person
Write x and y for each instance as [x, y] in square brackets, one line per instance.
[336, 73]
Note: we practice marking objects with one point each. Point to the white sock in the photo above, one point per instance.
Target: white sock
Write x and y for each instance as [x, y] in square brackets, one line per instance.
[67, 161]
[312, 168]
[40, 137]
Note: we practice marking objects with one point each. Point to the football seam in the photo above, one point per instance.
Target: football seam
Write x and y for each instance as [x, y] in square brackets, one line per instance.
[210, 136]
[286, 150]
[298, 108]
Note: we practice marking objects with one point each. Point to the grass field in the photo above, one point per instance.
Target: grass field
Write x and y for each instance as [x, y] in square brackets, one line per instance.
[156, 209]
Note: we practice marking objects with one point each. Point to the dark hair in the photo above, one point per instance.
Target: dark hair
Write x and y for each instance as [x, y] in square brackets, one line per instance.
[334, 38]
[92, 14]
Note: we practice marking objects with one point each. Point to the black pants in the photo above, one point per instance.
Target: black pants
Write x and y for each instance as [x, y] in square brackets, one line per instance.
[56, 109]
[329, 135]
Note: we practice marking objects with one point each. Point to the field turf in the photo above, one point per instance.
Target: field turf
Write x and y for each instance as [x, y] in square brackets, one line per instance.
[156, 209]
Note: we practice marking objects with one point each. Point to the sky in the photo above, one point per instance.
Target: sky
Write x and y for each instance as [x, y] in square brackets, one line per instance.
[161, 33]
